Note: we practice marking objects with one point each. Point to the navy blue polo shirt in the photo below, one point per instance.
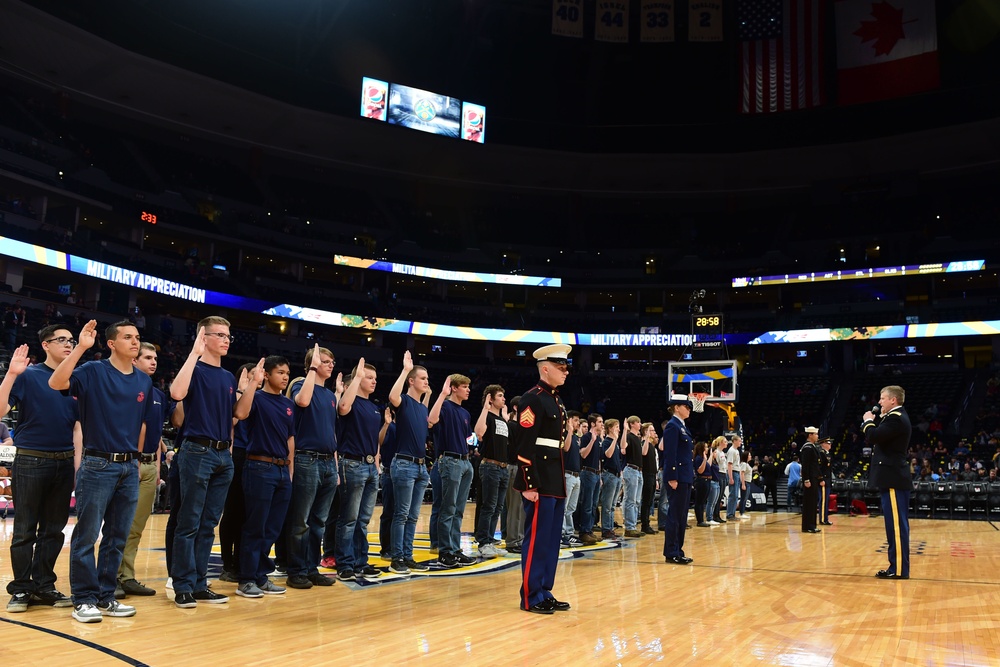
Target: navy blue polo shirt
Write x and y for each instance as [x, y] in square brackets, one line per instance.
[612, 464]
[388, 449]
[208, 406]
[271, 424]
[572, 460]
[593, 459]
[360, 428]
[452, 433]
[411, 428]
[113, 405]
[154, 422]
[45, 417]
[316, 424]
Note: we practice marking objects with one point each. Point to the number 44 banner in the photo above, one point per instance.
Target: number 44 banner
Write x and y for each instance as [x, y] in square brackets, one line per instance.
[612, 21]
[657, 21]
[567, 18]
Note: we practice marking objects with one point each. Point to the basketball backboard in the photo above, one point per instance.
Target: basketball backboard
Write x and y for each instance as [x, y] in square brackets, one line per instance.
[716, 379]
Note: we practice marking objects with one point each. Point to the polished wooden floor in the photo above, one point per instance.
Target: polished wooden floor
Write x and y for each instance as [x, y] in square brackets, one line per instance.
[759, 592]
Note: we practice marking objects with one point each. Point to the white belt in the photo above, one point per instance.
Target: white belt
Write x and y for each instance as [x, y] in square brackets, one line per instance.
[547, 442]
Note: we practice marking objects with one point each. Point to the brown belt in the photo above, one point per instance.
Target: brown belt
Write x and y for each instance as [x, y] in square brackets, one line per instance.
[58, 456]
[267, 459]
[495, 462]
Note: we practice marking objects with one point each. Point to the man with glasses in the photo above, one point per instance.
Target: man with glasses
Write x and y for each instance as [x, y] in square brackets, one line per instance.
[42, 474]
[540, 442]
[212, 399]
[115, 400]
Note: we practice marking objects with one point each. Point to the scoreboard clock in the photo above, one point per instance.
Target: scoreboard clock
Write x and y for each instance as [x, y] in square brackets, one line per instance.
[707, 330]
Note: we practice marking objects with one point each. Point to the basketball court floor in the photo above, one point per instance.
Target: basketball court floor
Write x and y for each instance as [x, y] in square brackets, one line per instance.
[759, 592]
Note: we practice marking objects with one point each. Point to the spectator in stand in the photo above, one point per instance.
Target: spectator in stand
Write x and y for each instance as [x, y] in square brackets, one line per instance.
[5, 438]
[968, 474]
[794, 472]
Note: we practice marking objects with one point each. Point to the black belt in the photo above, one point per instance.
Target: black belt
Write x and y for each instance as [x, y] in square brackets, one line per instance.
[703, 477]
[114, 457]
[411, 459]
[573, 472]
[146, 458]
[633, 467]
[267, 459]
[593, 470]
[453, 455]
[316, 455]
[58, 456]
[208, 442]
[369, 458]
[495, 462]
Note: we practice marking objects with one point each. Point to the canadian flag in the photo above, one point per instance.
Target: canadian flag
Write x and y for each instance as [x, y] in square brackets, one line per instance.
[885, 49]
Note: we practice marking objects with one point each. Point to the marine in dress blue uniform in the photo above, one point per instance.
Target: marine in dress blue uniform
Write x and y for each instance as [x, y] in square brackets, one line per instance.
[826, 470]
[889, 435]
[539, 443]
[677, 446]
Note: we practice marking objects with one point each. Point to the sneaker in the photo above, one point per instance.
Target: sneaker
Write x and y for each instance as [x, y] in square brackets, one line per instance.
[488, 551]
[280, 570]
[714, 523]
[514, 548]
[318, 579]
[346, 575]
[589, 539]
[185, 600]
[19, 602]
[398, 567]
[385, 555]
[369, 572]
[87, 613]
[210, 596]
[51, 598]
[634, 533]
[270, 588]
[573, 541]
[229, 577]
[248, 589]
[119, 591]
[300, 581]
[115, 608]
[328, 561]
[414, 566]
[448, 561]
[168, 588]
[462, 559]
[133, 587]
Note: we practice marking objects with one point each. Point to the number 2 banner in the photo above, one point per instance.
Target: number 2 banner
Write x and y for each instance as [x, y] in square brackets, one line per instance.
[657, 21]
[705, 20]
[567, 18]
[612, 21]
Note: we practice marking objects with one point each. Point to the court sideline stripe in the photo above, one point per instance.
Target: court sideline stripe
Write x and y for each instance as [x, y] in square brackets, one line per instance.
[97, 647]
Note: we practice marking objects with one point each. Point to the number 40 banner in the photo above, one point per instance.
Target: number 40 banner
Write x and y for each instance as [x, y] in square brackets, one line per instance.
[612, 21]
[657, 21]
[567, 18]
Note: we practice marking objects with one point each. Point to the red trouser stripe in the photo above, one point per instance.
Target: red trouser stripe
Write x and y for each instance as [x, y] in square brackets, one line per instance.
[531, 551]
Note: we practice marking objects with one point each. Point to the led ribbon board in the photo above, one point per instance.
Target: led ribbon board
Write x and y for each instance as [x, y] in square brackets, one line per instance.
[445, 274]
[857, 274]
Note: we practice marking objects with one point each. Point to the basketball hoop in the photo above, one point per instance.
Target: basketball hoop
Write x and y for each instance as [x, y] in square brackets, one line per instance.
[697, 401]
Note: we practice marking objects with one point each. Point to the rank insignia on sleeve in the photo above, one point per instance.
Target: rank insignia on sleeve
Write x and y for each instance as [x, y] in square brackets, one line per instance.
[527, 418]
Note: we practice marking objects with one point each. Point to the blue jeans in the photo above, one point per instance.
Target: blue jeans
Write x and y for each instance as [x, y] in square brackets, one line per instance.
[205, 474]
[42, 490]
[313, 487]
[590, 483]
[409, 481]
[456, 480]
[610, 484]
[493, 485]
[572, 498]
[359, 486]
[105, 492]
[633, 497]
[734, 496]
[432, 528]
[267, 489]
[388, 511]
[712, 507]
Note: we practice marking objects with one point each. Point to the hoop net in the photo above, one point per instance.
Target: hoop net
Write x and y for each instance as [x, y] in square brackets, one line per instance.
[697, 401]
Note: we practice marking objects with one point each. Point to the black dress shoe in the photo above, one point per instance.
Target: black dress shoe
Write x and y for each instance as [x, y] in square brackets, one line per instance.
[687, 560]
[885, 574]
[558, 605]
[543, 607]
[679, 560]
[812, 530]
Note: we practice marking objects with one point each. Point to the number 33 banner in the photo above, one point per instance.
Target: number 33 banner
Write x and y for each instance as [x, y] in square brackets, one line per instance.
[705, 20]
[612, 21]
[657, 21]
[567, 18]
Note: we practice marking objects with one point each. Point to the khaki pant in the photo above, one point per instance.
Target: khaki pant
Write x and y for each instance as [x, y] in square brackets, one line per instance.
[147, 494]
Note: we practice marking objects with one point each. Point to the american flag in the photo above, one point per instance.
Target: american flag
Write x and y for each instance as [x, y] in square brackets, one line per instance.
[781, 54]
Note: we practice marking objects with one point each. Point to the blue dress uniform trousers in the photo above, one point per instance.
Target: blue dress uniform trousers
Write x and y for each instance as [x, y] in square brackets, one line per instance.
[824, 502]
[540, 548]
[676, 525]
[895, 510]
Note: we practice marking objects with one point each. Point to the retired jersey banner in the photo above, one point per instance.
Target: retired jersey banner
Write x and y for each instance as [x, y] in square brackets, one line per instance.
[657, 21]
[885, 49]
[612, 21]
[567, 18]
[705, 20]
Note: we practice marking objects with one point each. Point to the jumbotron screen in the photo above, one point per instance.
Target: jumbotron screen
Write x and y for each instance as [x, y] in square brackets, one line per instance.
[422, 110]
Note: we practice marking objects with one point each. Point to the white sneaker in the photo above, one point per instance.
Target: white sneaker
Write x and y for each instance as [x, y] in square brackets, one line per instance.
[714, 523]
[168, 589]
[116, 609]
[488, 551]
[87, 613]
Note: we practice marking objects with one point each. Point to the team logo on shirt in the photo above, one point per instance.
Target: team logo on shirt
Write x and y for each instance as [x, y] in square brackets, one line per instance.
[527, 418]
[288, 411]
[141, 397]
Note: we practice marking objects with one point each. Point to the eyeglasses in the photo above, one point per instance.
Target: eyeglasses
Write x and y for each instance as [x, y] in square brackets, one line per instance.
[221, 336]
[62, 340]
